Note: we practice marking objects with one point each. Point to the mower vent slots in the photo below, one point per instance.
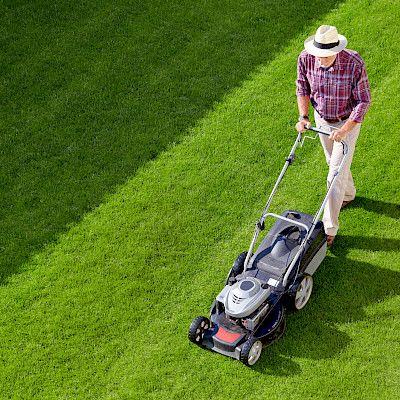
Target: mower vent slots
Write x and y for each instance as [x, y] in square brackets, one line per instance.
[236, 299]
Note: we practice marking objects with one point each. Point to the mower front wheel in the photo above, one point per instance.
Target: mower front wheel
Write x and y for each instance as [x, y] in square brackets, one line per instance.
[197, 329]
[251, 351]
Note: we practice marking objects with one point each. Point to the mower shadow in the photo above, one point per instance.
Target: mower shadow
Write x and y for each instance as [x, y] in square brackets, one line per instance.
[343, 288]
[92, 114]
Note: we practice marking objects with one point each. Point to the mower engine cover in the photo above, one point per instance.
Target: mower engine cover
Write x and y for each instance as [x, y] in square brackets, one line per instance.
[244, 297]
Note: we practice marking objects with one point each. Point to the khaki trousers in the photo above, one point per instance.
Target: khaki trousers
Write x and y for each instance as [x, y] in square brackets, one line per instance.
[344, 188]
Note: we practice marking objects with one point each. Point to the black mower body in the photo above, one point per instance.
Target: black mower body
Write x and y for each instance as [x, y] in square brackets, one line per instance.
[226, 334]
[249, 312]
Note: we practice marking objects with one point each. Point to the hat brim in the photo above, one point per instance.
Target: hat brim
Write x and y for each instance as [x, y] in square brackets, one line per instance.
[315, 51]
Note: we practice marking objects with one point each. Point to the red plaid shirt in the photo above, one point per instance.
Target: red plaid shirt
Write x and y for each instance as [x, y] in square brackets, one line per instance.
[338, 91]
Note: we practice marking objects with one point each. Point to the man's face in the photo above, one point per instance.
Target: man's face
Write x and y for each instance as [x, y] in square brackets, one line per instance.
[326, 62]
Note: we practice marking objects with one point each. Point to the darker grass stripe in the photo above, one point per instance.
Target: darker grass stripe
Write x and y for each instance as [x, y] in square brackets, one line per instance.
[93, 91]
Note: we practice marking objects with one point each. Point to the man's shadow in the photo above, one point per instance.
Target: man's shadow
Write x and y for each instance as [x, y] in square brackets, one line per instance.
[377, 206]
[342, 289]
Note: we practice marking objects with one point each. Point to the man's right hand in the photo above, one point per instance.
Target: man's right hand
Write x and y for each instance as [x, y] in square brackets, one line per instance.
[301, 125]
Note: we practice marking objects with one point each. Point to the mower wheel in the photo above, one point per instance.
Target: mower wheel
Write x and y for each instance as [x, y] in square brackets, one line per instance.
[197, 329]
[237, 268]
[301, 292]
[238, 265]
[251, 351]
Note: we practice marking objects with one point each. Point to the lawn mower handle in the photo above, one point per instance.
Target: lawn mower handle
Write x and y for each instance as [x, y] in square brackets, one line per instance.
[289, 161]
[311, 128]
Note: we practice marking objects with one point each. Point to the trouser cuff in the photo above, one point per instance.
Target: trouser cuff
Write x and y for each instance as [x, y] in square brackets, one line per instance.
[331, 231]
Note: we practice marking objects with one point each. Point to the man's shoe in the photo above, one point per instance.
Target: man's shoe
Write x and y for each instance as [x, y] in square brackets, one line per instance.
[346, 203]
[329, 240]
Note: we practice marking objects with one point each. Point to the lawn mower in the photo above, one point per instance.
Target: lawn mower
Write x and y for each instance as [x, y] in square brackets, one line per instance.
[250, 311]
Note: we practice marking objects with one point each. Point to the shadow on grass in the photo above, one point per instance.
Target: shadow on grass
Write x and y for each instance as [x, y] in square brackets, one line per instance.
[377, 206]
[94, 91]
[343, 288]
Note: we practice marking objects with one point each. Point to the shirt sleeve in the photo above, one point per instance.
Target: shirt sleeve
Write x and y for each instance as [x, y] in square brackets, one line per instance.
[361, 94]
[302, 84]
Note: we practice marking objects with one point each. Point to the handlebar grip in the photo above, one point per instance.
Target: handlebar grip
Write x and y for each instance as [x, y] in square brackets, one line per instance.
[311, 128]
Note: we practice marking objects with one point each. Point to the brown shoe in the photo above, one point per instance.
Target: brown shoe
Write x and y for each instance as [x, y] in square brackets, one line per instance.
[329, 240]
[346, 203]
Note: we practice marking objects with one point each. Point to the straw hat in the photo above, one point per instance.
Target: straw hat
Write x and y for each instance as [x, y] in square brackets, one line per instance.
[326, 42]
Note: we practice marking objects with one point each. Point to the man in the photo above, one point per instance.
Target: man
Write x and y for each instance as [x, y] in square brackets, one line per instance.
[335, 81]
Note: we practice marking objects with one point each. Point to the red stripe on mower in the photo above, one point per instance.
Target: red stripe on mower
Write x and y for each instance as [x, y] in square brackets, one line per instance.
[227, 337]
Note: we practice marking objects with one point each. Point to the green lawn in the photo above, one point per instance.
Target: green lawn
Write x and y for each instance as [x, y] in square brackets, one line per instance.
[139, 142]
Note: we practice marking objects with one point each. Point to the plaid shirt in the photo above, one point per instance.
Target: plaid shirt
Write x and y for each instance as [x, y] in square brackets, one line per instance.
[338, 91]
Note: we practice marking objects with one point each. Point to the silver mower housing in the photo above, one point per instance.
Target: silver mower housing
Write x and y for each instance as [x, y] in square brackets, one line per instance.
[244, 297]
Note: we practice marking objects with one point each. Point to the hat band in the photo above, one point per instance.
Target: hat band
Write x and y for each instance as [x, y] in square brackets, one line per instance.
[326, 45]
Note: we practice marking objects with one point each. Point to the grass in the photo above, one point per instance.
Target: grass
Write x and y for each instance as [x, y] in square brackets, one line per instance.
[131, 184]
[91, 92]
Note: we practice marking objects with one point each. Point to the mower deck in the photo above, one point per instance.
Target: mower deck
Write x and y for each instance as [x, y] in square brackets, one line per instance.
[228, 339]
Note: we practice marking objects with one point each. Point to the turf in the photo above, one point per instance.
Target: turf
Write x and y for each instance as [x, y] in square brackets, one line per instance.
[92, 92]
[138, 144]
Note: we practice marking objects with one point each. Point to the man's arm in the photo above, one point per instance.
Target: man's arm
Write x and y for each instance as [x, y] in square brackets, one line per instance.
[362, 95]
[303, 93]
[303, 103]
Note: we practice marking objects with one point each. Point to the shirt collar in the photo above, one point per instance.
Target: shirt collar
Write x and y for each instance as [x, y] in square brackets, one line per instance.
[333, 67]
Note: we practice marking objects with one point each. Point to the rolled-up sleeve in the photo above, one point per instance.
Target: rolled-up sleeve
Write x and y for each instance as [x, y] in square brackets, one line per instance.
[302, 84]
[361, 94]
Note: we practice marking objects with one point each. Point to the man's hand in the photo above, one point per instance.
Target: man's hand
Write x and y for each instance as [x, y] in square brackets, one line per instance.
[301, 125]
[338, 135]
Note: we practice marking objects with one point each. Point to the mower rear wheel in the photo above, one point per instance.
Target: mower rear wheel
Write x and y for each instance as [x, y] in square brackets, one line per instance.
[251, 351]
[197, 329]
[302, 292]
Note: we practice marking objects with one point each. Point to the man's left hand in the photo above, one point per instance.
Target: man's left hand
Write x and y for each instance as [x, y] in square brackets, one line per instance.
[338, 135]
